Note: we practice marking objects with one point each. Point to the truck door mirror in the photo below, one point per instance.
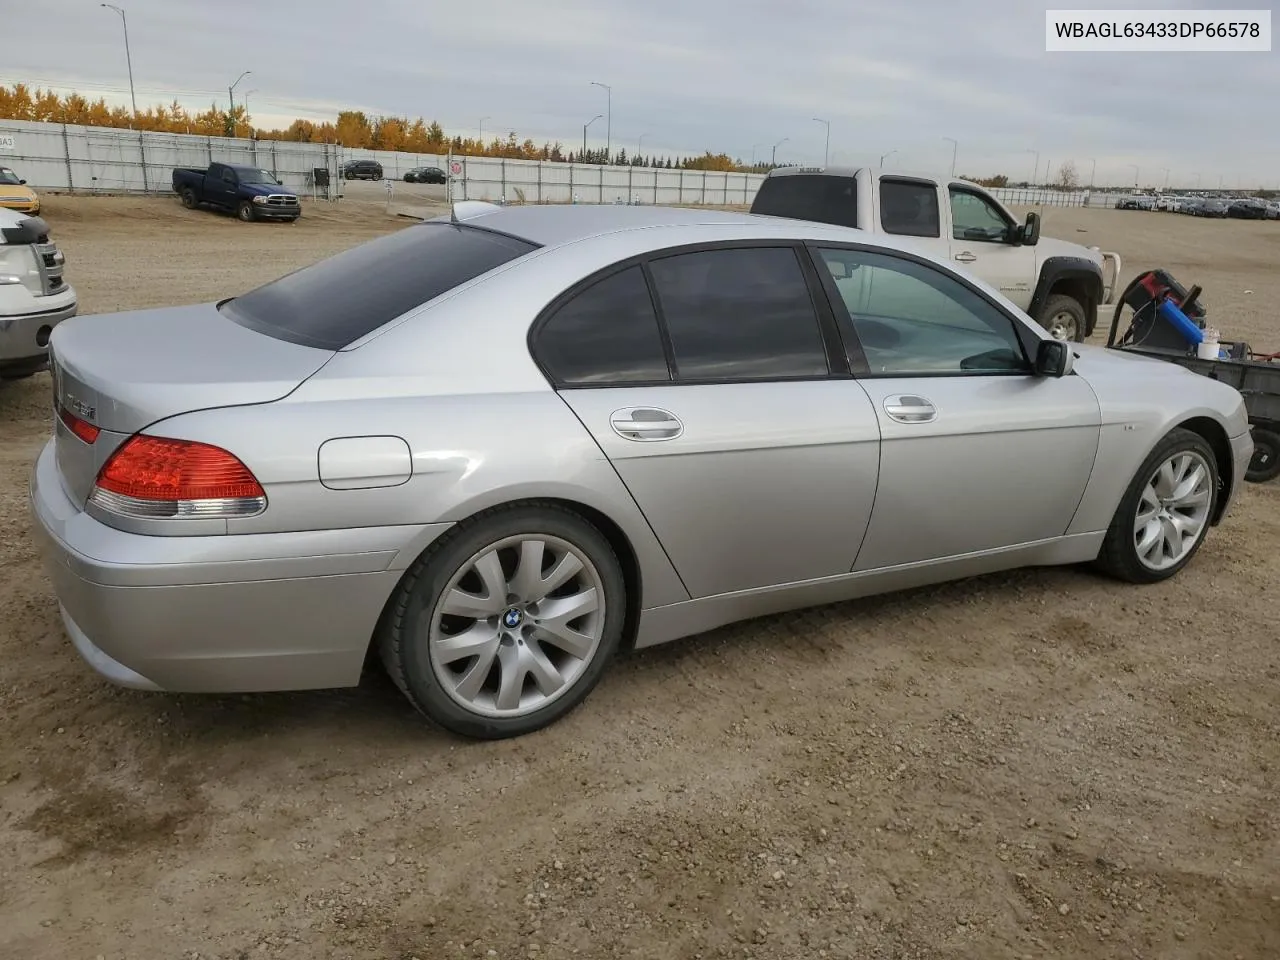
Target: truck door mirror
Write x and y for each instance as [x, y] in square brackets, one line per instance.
[1031, 230]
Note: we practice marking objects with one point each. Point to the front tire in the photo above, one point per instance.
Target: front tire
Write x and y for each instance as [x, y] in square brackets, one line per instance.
[507, 622]
[246, 212]
[1064, 318]
[1265, 465]
[1165, 513]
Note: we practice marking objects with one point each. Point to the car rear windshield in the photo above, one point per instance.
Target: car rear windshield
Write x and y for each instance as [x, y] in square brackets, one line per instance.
[335, 302]
[820, 198]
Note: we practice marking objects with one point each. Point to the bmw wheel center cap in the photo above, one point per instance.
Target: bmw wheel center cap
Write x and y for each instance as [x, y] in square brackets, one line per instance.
[512, 618]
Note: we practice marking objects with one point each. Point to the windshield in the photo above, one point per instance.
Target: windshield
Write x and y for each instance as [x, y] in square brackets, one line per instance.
[250, 175]
[9, 177]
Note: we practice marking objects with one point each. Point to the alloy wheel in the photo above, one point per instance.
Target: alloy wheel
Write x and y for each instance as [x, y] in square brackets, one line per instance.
[1173, 510]
[517, 625]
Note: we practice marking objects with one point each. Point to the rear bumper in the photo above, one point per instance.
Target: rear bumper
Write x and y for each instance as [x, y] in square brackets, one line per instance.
[218, 614]
[21, 335]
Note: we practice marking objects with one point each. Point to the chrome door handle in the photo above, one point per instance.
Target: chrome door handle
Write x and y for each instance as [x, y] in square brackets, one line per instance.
[964, 256]
[908, 408]
[645, 423]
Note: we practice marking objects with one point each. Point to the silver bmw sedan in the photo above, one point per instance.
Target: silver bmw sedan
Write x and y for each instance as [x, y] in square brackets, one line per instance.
[502, 445]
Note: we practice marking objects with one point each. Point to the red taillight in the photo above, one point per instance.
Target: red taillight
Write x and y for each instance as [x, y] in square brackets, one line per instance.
[157, 477]
[82, 429]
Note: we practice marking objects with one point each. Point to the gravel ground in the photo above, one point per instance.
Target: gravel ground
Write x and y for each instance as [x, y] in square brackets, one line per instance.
[1036, 764]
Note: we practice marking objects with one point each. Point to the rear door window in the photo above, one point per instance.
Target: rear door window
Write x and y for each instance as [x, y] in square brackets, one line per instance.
[336, 301]
[909, 208]
[819, 198]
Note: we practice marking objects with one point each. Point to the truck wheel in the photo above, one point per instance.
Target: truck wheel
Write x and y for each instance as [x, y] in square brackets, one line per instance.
[1265, 464]
[1064, 318]
[188, 198]
[245, 211]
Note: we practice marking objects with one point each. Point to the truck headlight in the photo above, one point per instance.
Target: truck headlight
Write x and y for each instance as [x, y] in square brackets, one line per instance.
[259, 199]
[18, 266]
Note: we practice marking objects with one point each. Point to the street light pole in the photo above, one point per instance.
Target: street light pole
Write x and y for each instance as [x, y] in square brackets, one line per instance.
[773, 161]
[584, 131]
[1092, 170]
[608, 135]
[1166, 178]
[1136, 170]
[826, 152]
[481, 137]
[247, 123]
[231, 95]
[955, 148]
[127, 58]
[639, 144]
[1036, 172]
[885, 157]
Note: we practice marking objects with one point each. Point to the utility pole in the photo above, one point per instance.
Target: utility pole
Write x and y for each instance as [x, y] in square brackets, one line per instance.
[826, 153]
[1036, 172]
[584, 130]
[231, 95]
[1092, 170]
[481, 137]
[955, 148]
[127, 58]
[773, 162]
[608, 135]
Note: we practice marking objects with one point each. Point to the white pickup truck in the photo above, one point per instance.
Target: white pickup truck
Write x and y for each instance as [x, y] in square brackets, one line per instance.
[1058, 283]
[33, 296]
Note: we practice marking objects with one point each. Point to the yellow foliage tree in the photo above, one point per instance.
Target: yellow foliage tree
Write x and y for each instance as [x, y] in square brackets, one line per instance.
[351, 128]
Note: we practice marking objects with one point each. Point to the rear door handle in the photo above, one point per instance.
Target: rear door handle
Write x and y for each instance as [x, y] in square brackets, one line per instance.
[908, 408]
[964, 256]
[645, 424]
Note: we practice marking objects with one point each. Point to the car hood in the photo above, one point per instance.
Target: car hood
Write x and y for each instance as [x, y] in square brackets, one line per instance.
[265, 189]
[1125, 382]
[1053, 247]
[16, 193]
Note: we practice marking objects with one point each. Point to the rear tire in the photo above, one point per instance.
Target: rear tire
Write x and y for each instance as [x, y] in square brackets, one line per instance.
[1164, 515]
[246, 212]
[476, 639]
[1265, 465]
[189, 198]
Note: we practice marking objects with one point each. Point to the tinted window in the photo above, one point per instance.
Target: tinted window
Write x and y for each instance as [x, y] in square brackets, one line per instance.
[331, 303]
[912, 319]
[739, 314]
[909, 209]
[821, 199]
[608, 333]
[974, 217]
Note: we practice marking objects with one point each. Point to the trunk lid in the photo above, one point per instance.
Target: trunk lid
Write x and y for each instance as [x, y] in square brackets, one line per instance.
[125, 371]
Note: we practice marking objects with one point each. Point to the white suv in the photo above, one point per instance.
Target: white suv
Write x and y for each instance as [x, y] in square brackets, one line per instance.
[33, 296]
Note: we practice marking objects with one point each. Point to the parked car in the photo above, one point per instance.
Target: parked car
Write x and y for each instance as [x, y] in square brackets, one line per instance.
[1213, 208]
[34, 297]
[734, 416]
[15, 194]
[1139, 201]
[1061, 284]
[250, 192]
[1168, 203]
[362, 170]
[1273, 209]
[425, 175]
[1247, 210]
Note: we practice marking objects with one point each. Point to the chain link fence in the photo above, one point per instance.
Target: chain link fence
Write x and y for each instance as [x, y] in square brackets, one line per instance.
[101, 159]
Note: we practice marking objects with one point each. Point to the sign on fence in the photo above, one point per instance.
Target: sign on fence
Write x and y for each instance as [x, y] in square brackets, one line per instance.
[8, 142]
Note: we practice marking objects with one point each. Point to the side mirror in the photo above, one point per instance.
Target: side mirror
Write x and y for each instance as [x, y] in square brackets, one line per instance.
[1054, 358]
[1031, 230]
[23, 182]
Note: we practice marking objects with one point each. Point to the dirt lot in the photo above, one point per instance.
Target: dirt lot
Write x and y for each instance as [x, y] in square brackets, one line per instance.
[1040, 764]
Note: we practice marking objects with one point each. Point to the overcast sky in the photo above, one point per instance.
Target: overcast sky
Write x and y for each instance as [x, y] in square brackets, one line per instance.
[724, 75]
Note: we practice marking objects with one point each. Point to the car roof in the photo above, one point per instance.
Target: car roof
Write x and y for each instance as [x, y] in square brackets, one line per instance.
[554, 225]
[845, 171]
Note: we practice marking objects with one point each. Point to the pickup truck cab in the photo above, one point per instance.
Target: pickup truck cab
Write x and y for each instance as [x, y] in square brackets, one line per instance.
[250, 192]
[1058, 284]
[33, 296]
